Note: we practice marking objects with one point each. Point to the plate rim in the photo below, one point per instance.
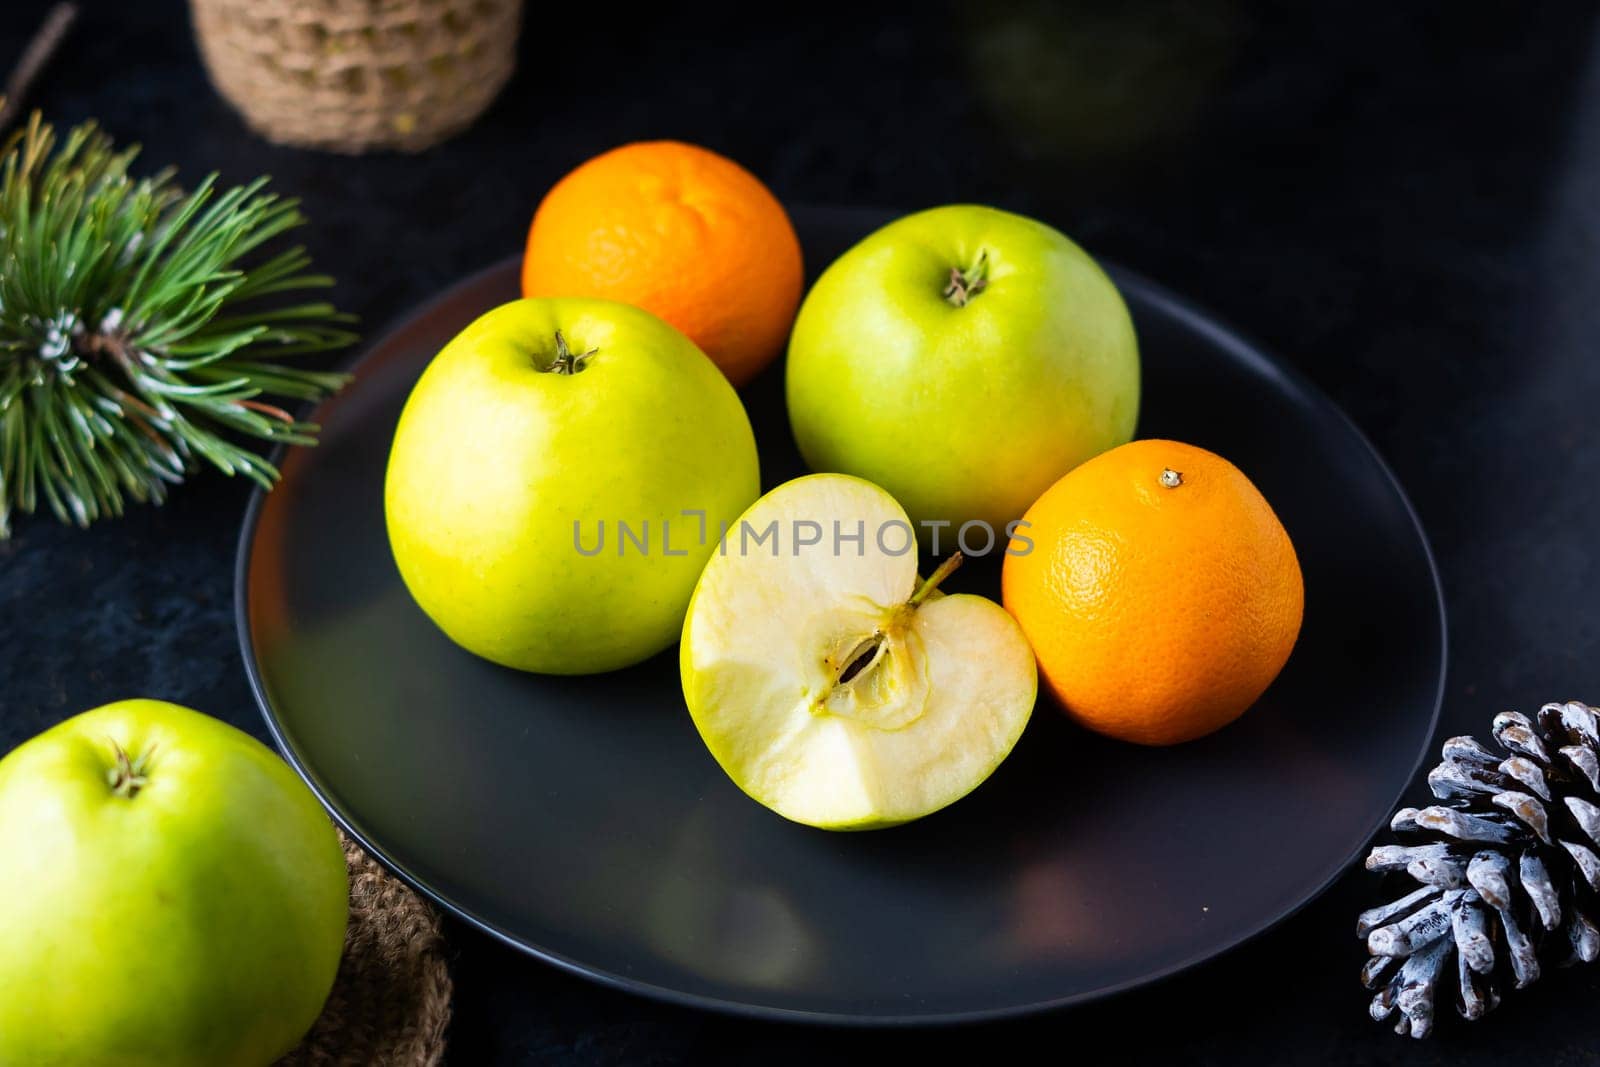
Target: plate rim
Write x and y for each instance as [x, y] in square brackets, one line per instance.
[1193, 316]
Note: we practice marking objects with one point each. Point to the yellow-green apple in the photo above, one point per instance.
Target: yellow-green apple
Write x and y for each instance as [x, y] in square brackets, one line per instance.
[170, 895]
[963, 358]
[557, 481]
[829, 682]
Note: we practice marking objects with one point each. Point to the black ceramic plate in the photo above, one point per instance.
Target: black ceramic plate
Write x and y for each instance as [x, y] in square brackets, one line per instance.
[582, 820]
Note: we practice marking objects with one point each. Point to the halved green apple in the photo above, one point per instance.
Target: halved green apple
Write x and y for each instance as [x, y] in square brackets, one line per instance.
[831, 684]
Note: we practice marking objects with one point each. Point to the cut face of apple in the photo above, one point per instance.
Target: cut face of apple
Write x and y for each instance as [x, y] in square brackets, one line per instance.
[831, 684]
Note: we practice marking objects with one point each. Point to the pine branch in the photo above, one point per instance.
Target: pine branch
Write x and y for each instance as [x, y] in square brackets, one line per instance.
[139, 337]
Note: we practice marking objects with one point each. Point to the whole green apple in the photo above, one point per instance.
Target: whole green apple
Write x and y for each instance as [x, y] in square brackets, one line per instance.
[963, 358]
[558, 479]
[170, 895]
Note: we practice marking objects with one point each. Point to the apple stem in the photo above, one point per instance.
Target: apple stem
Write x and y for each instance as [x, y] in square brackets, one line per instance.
[566, 360]
[946, 569]
[966, 284]
[128, 775]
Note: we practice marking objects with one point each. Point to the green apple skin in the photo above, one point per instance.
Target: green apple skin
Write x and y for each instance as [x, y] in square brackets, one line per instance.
[495, 460]
[199, 921]
[962, 412]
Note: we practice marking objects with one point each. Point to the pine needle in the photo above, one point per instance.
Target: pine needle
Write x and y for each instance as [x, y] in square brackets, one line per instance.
[140, 337]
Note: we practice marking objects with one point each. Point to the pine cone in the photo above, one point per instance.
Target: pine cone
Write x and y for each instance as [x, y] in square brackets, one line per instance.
[1507, 865]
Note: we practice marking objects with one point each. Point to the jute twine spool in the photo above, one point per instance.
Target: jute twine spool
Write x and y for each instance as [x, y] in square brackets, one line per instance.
[391, 1001]
[357, 75]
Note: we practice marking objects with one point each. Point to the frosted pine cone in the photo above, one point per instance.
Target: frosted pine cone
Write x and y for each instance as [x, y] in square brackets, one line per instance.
[1508, 868]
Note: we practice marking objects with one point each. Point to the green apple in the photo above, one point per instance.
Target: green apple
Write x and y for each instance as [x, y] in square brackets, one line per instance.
[557, 481]
[833, 686]
[170, 895]
[964, 359]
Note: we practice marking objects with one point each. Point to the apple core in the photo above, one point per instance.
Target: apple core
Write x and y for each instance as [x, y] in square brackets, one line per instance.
[867, 672]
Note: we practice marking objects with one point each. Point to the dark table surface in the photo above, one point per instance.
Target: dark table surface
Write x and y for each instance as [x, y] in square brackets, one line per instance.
[1402, 200]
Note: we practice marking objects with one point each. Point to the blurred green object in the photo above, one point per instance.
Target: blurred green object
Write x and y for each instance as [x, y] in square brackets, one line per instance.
[1093, 82]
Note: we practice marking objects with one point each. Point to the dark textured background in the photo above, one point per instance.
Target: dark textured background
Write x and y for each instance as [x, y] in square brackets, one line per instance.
[1403, 200]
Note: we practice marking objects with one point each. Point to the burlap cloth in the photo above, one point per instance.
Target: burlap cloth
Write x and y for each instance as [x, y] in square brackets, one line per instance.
[356, 75]
[391, 1001]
